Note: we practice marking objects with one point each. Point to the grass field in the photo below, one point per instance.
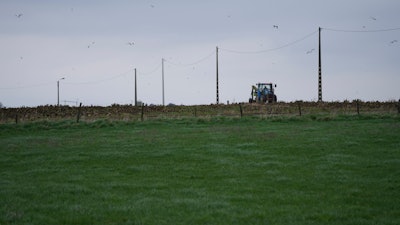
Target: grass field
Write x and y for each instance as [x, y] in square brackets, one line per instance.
[309, 170]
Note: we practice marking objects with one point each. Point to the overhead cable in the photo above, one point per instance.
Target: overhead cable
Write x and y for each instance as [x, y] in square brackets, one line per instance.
[361, 31]
[100, 81]
[27, 86]
[151, 71]
[271, 49]
[193, 63]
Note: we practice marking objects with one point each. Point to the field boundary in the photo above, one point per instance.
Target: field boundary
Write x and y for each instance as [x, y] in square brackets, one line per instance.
[140, 113]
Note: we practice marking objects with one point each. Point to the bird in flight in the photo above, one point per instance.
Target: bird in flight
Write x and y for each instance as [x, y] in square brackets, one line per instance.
[275, 26]
[310, 51]
[131, 43]
[19, 15]
[91, 44]
[394, 41]
[372, 18]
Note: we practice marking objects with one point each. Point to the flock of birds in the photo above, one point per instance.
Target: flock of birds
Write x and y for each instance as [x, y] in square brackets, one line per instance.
[312, 50]
[131, 43]
[275, 26]
[374, 18]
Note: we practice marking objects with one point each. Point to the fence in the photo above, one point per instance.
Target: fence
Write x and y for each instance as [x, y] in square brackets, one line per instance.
[140, 113]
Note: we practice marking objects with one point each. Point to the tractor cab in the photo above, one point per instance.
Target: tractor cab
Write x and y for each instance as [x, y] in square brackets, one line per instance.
[263, 93]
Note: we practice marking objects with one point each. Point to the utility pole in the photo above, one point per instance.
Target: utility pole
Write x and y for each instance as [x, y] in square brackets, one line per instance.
[319, 67]
[162, 65]
[58, 91]
[217, 77]
[135, 89]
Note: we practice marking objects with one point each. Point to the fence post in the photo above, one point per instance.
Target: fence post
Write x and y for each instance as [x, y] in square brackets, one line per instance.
[299, 105]
[79, 113]
[358, 106]
[141, 116]
[398, 107]
[16, 118]
[241, 110]
[195, 111]
[268, 106]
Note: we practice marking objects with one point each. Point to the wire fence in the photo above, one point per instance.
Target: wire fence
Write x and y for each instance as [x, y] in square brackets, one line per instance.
[142, 113]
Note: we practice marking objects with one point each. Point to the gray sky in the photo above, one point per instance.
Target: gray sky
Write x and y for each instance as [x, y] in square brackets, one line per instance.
[87, 43]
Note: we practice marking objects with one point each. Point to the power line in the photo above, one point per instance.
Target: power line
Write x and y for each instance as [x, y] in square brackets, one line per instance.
[362, 31]
[193, 63]
[27, 86]
[99, 81]
[151, 71]
[271, 49]
[78, 83]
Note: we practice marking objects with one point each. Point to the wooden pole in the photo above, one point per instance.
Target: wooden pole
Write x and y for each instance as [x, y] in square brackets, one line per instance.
[299, 105]
[141, 116]
[78, 117]
[241, 110]
[398, 107]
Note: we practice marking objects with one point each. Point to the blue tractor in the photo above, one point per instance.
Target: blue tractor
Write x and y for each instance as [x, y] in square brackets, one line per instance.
[263, 93]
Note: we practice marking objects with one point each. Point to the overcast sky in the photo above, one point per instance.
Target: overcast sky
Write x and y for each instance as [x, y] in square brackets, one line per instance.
[96, 45]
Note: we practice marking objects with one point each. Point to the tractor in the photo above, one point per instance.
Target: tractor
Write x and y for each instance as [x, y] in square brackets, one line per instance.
[263, 93]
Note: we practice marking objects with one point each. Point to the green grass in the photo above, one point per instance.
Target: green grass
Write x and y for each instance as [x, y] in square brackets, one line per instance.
[310, 170]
